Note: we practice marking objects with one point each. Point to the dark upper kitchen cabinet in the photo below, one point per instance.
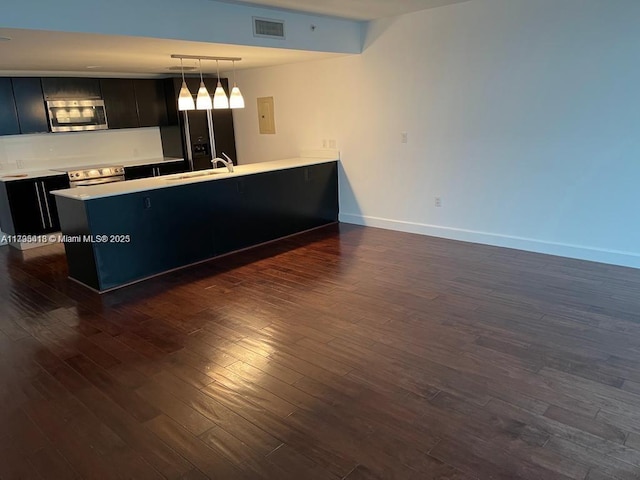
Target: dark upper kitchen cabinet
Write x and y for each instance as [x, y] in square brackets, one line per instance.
[119, 102]
[27, 206]
[62, 88]
[151, 102]
[171, 89]
[32, 114]
[8, 115]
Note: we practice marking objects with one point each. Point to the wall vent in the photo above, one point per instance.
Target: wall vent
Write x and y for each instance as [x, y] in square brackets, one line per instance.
[265, 27]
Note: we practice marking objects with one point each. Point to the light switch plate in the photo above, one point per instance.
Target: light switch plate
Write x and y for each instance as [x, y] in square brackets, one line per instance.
[266, 118]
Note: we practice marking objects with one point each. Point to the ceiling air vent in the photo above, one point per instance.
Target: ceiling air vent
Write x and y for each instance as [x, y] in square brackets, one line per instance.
[264, 27]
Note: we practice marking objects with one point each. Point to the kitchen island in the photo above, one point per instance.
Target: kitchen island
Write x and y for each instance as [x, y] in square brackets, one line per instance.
[119, 233]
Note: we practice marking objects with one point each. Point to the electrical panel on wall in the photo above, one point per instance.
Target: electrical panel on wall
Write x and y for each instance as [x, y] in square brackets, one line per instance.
[266, 119]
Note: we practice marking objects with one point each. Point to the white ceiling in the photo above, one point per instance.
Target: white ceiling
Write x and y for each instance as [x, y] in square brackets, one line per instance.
[36, 52]
[71, 54]
[353, 9]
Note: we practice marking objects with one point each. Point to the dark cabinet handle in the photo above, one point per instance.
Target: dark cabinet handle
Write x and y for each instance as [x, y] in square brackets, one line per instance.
[240, 186]
[40, 205]
[46, 203]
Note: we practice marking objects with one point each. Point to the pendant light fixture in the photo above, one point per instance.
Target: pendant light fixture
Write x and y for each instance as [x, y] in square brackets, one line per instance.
[185, 99]
[236, 99]
[220, 100]
[203, 100]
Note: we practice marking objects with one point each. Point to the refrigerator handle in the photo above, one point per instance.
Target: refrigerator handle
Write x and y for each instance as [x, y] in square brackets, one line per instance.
[187, 139]
[212, 138]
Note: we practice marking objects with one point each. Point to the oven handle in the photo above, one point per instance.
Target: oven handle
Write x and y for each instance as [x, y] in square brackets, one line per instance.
[89, 183]
[40, 204]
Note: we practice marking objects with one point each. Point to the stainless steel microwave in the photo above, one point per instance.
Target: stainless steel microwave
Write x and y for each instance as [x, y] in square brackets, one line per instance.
[77, 115]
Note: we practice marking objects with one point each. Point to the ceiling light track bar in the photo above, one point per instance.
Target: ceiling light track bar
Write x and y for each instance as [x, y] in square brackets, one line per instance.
[205, 57]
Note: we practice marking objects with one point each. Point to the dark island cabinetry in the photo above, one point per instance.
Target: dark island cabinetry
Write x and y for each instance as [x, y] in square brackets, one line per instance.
[172, 227]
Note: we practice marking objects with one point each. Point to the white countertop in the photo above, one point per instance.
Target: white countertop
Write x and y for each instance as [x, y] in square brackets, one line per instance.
[11, 175]
[167, 181]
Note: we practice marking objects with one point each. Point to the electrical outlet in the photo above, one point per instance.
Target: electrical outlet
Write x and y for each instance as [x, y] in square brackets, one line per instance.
[324, 143]
[19, 164]
[404, 137]
[332, 143]
[438, 201]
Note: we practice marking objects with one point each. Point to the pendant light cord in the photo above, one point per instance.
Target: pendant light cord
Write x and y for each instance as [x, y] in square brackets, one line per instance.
[233, 62]
[200, 64]
[182, 70]
[218, 71]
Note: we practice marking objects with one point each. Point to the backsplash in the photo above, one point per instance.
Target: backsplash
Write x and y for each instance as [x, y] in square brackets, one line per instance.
[50, 150]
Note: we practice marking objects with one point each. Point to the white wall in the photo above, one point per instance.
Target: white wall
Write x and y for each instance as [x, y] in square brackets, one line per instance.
[523, 116]
[50, 150]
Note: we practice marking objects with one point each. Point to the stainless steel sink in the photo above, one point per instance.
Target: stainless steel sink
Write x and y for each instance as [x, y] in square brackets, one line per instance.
[199, 173]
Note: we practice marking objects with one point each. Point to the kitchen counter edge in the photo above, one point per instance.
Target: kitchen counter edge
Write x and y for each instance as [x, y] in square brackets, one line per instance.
[168, 181]
[13, 175]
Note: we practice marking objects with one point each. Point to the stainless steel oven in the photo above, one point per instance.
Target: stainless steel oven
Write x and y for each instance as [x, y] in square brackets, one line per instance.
[95, 176]
[77, 115]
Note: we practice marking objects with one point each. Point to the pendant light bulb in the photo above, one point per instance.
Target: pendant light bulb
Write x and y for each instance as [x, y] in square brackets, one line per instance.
[185, 99]
[236, 99]
[220, 100]
[203, 100]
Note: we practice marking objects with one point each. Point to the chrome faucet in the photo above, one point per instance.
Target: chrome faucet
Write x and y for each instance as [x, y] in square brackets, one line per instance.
[227, 163]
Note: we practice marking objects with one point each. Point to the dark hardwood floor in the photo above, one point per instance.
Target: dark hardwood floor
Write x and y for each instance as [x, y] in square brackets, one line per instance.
[346, 352]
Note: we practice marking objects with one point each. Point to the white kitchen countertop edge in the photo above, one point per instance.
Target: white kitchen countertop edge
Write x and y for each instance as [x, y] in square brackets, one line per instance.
[168, 181]
[13, 175]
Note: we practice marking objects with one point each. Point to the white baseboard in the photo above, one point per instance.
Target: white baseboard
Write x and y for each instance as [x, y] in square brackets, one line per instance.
[613, 257]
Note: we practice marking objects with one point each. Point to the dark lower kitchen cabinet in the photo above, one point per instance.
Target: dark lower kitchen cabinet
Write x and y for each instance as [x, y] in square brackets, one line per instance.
[27, 206]
[32, 114]
[170, 168]
[63, 88]
[119, 102]
[8, 115]
[58, 182]
[151, 102]
[139, 171]
[154, 170]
